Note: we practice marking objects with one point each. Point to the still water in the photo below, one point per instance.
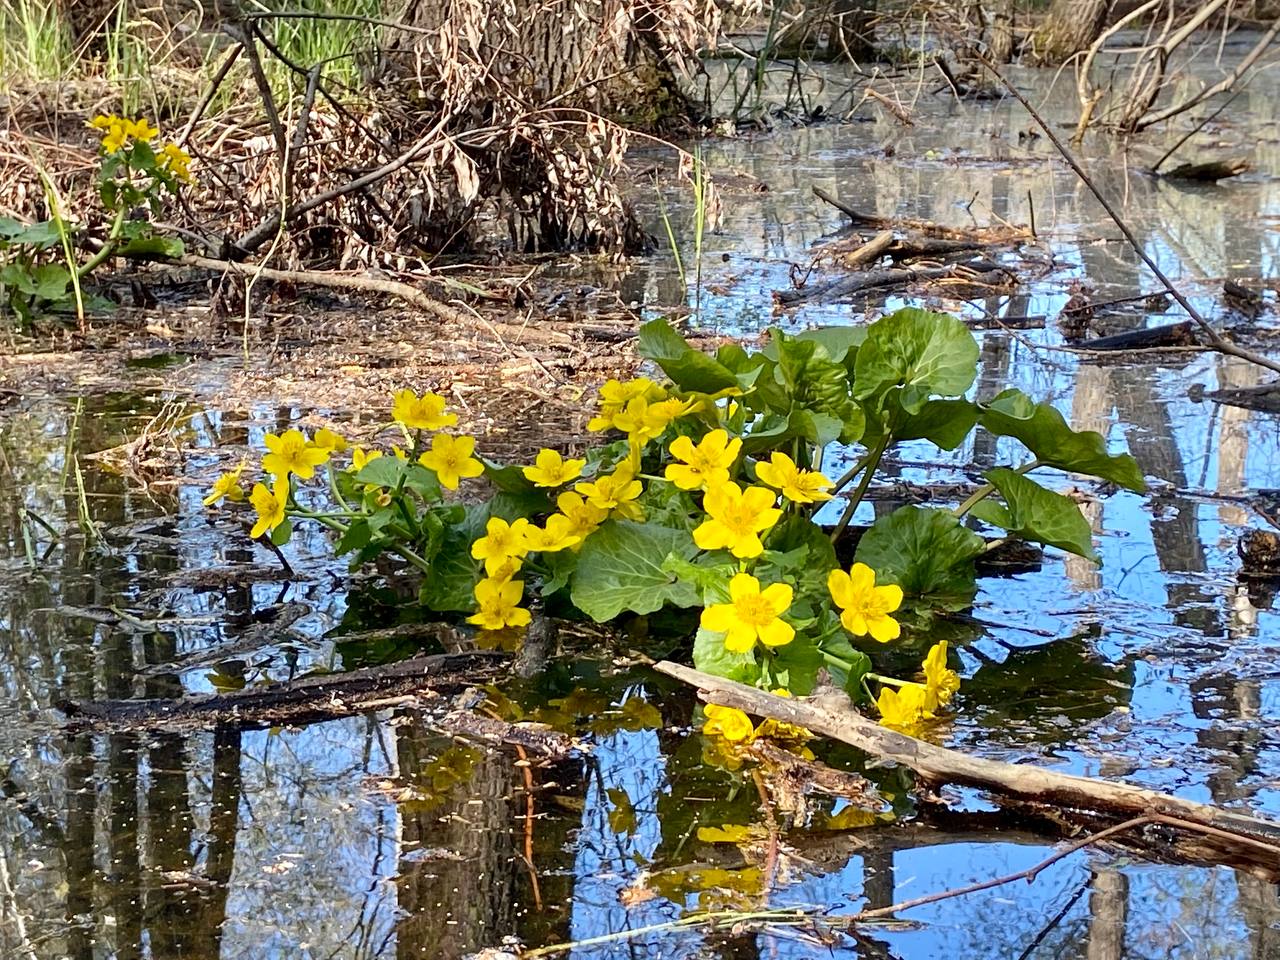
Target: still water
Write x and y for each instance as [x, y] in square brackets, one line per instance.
[377, 837]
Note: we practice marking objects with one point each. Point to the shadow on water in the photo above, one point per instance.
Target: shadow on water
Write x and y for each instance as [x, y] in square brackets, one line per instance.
[376, 837]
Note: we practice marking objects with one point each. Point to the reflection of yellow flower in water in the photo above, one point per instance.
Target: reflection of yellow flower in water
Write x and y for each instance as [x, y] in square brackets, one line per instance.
[798, 486]
[727, 722]
[941, 682]
[270, 505]
[705, 465]
[752, 614]
[904, 708]
[424, 412]
[290, 453]
[864, 607]
[502, 542]
[498, 601]
[737, 518]
[615, 493]
[557, 534]
[550, 469]
[227, 485]
[450, 459]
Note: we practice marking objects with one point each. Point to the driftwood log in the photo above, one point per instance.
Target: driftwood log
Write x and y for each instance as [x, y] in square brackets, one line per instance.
[1237, 839]
[306, 700]
[1167, 335]
[982, 272]
[1000, 234]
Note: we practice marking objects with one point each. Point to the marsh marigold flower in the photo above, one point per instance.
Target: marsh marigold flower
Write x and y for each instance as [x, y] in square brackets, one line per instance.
[904, 708]
[940, 681]
[141, 130]
[329, 441]
[751, 614]
[798, 486]
[705, 465]
[498, 603]
[583, 515]
[424, 412]
[557, 534]
[864, 607]
[290, 453]
[502, 542]
[737, 518]
[450, 459]
[616, 394]
[228, 486]
[177, 161]
[550, 469]
[728, 722]
[615, 493]
[270, 505]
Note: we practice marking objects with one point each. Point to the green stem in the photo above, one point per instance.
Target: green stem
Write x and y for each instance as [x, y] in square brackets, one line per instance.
[325, 520]
[847, 477]
[108, 247]
[987, 489]
[873, 461]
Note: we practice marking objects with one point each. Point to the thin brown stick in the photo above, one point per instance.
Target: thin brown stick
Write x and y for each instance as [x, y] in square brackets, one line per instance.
[247, 35]
[1215, 340]
[529, 812]
[223, 69]
[1028, 875]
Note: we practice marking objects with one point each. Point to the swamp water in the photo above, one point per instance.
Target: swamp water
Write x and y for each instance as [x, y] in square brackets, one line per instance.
[377, 837]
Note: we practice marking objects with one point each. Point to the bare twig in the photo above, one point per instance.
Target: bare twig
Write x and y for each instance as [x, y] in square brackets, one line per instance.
[1155, 167]
[223, 69]
[1215, 340]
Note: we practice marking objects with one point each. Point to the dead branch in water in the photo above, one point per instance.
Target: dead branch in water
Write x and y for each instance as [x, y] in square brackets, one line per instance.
[927, 227]
[1238, 839]
[983, 272]
[1214, 340]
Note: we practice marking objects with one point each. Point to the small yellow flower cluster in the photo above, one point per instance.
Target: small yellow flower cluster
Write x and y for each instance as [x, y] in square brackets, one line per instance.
[118, 131]
[911, 704]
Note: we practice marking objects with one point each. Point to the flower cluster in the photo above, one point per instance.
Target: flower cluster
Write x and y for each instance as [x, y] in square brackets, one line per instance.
[906, 705]
[120, 134]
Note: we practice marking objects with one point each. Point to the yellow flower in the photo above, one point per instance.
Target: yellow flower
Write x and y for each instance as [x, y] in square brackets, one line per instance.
[498, 605]
[103, 121]
[556, 535]
[753, 614]
[360, 459]
[780, 730]
[330, 442]
[227, 485]
[727, 722]
[583, 516]
[502, 541]
[706, 465]
[798, 486]
[738, 517]
[864, 607]
[904, 708]
[424, 412]
[615, 493]
[941, 682]
[615, 395]
[177, 161]
[270, 505]
[450, 458]
[115, 137]
[291, 453]
[552, 470]
[140, 129]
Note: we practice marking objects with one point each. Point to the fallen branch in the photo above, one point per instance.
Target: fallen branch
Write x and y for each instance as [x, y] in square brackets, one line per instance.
[927, 227]
[395, 288]
[1168, 335]
[984, 273]
[306, 700]
[1210, 172]
[1240, 840]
